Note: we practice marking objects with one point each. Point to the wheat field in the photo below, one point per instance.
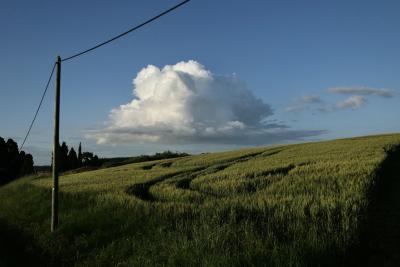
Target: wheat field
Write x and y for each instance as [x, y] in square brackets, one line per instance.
[291, 205]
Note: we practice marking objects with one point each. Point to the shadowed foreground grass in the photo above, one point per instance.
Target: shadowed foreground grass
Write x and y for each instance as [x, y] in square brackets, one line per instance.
[295, 205]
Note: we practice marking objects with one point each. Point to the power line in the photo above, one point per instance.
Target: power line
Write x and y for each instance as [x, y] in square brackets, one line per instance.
[38, 108]
[125, 33]
[91, 49]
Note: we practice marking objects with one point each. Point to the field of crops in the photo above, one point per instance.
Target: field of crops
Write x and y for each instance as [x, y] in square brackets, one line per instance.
[292, 205]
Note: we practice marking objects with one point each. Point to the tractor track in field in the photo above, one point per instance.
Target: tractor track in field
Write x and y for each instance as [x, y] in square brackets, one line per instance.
[142, 190]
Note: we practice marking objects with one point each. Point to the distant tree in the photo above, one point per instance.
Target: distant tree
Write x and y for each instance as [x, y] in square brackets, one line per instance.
[95, 161]
[89, 159]
[26, 164]
[3, 159]
[80, 155]
[29, 169]
[63, 157]
[13, 161]
[72, 159]
[3, 151]
[21, 160]
[68, 159]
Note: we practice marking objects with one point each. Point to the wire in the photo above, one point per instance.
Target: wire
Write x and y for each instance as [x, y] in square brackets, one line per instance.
[91, 49]
[125, 33]
[38, 108]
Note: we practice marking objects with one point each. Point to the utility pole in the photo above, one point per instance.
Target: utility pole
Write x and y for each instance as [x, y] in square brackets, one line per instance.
[56, 145]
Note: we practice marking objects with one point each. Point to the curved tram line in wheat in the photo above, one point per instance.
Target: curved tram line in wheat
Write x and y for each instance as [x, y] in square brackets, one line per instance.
[177, 185]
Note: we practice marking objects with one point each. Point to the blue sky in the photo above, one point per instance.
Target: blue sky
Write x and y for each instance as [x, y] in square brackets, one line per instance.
[280, 50]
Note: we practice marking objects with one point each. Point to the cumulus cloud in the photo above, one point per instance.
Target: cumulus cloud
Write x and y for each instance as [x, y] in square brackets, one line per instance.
[361, 90]
[185, 103]
[353, 102]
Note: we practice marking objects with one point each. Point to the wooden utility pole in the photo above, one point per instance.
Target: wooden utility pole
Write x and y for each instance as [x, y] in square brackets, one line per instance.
[56, 145]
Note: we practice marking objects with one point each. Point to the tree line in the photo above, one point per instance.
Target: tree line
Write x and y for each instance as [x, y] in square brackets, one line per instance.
[13, 163]
[69, 159]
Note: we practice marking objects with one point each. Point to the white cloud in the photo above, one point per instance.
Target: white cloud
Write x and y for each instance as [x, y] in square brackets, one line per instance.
[303, 103]
[185, 103]
[361, 90]
[316, 104]
[353, 102]
[295, 108]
